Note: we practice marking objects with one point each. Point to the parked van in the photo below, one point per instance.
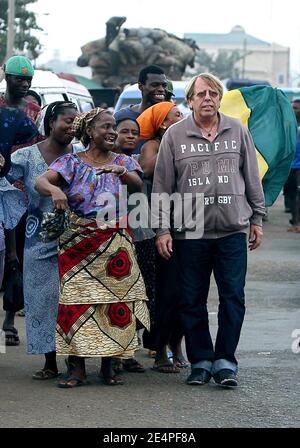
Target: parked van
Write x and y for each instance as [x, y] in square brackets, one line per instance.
[52, 88]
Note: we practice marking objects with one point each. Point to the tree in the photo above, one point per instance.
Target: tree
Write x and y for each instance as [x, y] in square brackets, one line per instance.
[203, 61]
[222, 65]
[25, 23]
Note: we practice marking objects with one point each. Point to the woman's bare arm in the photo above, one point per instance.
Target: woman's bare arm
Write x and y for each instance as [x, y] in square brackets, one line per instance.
[48, 185]
[148, 157]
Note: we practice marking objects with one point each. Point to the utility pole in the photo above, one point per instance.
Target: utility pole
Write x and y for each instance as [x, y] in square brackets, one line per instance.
[10, 29]
[244, 57]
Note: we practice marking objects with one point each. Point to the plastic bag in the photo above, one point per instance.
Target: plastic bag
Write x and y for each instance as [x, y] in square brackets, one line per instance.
[54, 224]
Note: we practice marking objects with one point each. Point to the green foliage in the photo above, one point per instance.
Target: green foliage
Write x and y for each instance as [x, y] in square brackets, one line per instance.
[25, 23]
[222, 65]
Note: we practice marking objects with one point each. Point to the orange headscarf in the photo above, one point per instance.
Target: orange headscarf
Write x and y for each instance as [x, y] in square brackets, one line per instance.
[152, 118]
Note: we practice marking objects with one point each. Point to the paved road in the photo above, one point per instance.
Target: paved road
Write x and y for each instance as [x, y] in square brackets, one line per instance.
[269, 391]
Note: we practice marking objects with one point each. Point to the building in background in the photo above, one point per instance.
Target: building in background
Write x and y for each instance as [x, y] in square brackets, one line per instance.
[257, 59]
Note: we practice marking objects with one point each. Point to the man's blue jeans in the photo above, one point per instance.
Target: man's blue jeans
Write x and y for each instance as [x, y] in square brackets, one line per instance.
[227, 259]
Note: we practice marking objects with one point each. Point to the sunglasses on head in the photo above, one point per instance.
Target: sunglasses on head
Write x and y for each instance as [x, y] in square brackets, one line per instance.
[67, 104]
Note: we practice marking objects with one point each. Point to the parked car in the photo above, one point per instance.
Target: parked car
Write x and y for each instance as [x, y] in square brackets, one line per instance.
[52, 88]
[236, 83]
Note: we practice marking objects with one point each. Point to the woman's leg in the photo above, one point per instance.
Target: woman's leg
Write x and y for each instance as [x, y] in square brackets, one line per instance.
[76, 373]
[49, 371]
[108, 374]
[167, 295]
[11, 333]
[50, 362]
[175, 345]
[145, 252]
[162, 363]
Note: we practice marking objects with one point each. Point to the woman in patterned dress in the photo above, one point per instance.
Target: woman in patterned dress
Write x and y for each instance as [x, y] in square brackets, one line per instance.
[166, 331]
[41, 282]
[102, 291]
[128, 131]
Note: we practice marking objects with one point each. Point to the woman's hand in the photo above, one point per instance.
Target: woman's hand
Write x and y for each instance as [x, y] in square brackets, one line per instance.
[59, 198]
[115, 169]
[131, 178]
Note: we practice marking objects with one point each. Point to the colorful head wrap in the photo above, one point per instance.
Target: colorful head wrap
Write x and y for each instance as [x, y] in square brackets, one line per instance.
[152, 118]
[82, 121]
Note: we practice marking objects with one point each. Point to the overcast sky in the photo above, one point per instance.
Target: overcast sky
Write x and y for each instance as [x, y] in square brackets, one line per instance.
[70, 24]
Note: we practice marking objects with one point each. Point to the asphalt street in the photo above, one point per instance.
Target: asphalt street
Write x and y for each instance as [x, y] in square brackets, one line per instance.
[269, 365]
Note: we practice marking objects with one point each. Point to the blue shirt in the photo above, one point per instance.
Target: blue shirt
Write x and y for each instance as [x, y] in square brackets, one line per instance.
[15, 129]
[296, 161]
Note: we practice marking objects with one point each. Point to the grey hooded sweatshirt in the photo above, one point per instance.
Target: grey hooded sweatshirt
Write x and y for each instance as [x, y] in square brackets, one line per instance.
[224, 172]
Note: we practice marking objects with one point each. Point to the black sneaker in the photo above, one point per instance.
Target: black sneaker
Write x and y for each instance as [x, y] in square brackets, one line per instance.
[226, 378]
[198, 377]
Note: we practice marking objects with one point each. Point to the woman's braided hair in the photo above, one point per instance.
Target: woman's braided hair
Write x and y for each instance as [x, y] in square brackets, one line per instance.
[82, 121]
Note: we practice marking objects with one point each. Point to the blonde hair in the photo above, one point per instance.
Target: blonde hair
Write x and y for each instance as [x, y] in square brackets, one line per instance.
[211, 80]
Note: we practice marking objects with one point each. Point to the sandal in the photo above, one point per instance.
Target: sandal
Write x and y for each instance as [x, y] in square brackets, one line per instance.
[45, 374]
[181, 363]
[11, 337]
[131, 365]
[112, 380]
[294, 229]
[165, 368]
[72, 381]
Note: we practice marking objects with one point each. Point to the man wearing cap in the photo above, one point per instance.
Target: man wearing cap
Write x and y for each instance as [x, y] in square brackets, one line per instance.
[18, 72]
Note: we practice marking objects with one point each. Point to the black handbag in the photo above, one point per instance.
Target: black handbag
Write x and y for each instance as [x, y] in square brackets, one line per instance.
[13, 298]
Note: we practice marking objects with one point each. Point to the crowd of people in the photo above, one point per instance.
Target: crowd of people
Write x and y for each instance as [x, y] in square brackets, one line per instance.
[96, 272]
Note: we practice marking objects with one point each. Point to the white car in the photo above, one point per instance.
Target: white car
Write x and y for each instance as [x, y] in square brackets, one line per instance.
[52, 88]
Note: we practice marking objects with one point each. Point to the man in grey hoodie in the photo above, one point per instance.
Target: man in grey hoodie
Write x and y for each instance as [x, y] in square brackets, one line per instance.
[212, 157]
